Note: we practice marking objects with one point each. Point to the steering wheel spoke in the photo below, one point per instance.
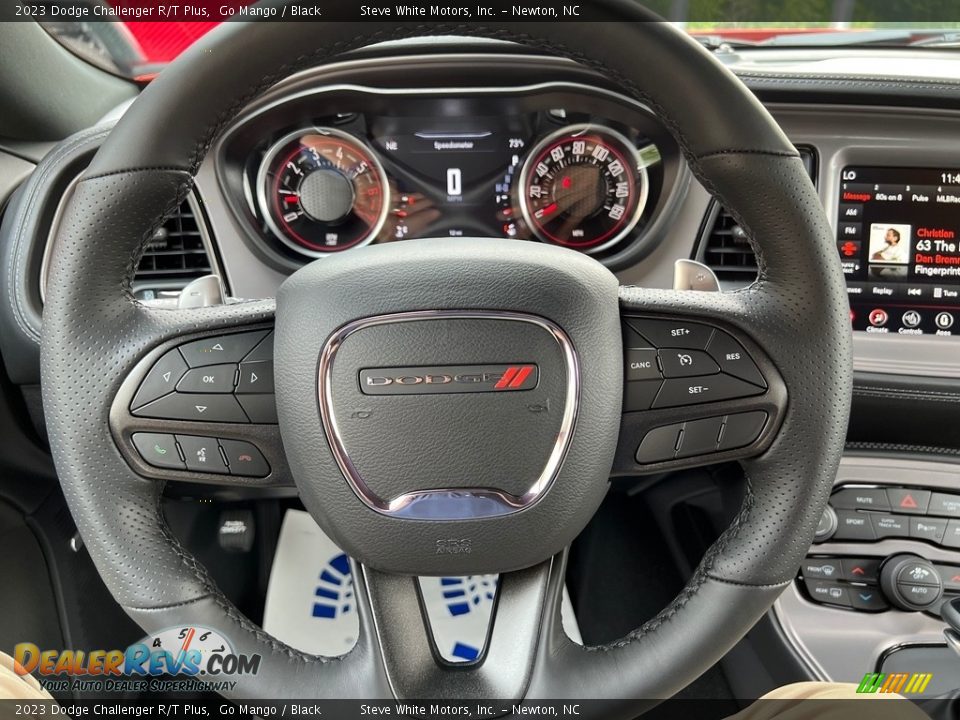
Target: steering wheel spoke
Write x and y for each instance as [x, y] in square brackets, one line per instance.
[200, 407]
[412, 661]
[697, 389]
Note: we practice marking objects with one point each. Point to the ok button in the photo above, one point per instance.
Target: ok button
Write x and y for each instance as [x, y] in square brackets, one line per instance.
[642, 365]
[209, 379]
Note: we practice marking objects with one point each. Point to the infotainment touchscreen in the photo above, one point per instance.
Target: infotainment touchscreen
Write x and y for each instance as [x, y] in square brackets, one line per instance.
[898, 233]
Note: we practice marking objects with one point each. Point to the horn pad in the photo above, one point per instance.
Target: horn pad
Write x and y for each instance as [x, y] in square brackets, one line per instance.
[451, 405]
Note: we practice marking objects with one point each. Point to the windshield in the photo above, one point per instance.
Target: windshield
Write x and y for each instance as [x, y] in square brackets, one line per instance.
[139, 49]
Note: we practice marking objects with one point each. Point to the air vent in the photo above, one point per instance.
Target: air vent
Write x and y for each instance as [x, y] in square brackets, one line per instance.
[724, 245]
[176, 254]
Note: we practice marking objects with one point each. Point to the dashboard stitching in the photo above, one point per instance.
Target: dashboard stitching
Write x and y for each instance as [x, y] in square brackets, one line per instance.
[900, 447]
[931, 396]
[16, 286]
[155, 168]
[849, 80]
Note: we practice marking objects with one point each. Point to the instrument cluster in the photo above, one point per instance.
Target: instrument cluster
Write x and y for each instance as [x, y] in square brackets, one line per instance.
[535, 166]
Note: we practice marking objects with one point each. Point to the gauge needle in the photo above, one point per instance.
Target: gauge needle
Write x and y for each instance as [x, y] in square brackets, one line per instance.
[187, 640]
[548, 210]
[291, 199]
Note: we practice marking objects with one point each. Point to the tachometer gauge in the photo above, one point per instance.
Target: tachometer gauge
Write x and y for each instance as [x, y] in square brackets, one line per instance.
[322, 191]
[583, 187]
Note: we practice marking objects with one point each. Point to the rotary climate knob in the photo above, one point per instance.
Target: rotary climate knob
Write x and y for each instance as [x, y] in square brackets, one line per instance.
[911, 583]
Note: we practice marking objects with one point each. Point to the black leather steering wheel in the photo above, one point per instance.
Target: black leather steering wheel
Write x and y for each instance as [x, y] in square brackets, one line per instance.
[442, 303]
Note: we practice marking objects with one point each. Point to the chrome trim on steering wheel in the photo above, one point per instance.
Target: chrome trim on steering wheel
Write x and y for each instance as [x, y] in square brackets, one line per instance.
[450, 503]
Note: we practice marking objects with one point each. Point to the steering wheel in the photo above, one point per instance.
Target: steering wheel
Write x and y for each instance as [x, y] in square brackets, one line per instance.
[413, 440]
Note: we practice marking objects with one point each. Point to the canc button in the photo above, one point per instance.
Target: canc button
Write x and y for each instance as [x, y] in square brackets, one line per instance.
[642, 365]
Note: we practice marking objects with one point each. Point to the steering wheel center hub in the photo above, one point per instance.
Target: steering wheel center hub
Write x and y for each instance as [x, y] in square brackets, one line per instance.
[449, 415]
[414, 411]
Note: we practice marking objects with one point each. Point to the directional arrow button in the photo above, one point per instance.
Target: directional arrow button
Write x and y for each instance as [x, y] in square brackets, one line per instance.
[255, 377]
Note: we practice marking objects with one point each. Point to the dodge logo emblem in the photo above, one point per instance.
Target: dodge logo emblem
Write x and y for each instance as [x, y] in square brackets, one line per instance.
[449, 379]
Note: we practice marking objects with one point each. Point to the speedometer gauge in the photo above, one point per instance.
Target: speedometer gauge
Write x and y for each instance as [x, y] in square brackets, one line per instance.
[583, 187]
[322, 191]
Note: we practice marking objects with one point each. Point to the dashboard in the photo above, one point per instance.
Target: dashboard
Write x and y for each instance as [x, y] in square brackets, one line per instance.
[338, 167]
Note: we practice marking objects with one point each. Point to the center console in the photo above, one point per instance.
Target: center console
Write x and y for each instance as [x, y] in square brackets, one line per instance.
[885, 558]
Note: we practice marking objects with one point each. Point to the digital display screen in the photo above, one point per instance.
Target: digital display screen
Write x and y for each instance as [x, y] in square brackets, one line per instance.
[898, 235]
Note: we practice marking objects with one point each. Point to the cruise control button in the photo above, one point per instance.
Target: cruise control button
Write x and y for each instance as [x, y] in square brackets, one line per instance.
[853, 526]
[158, 450]
[913, 502]
[930, 529]
[659, 444]
[866, 570]
[741, 429]
[733, 359]
[221, 349]
[640, 395]
[209, 379]
[673, 333]
[642, 365]
[823, 568]
[944, 504]
[828, 592]
[244, 459]
[887, 526]
[693, 391]
[260, 408]
[699, 437]
[202, 454]
[951, 538]
[162, 379]
[868, 599]
[860, 499]
[256, 377]
[205, 408]
[677, 363]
